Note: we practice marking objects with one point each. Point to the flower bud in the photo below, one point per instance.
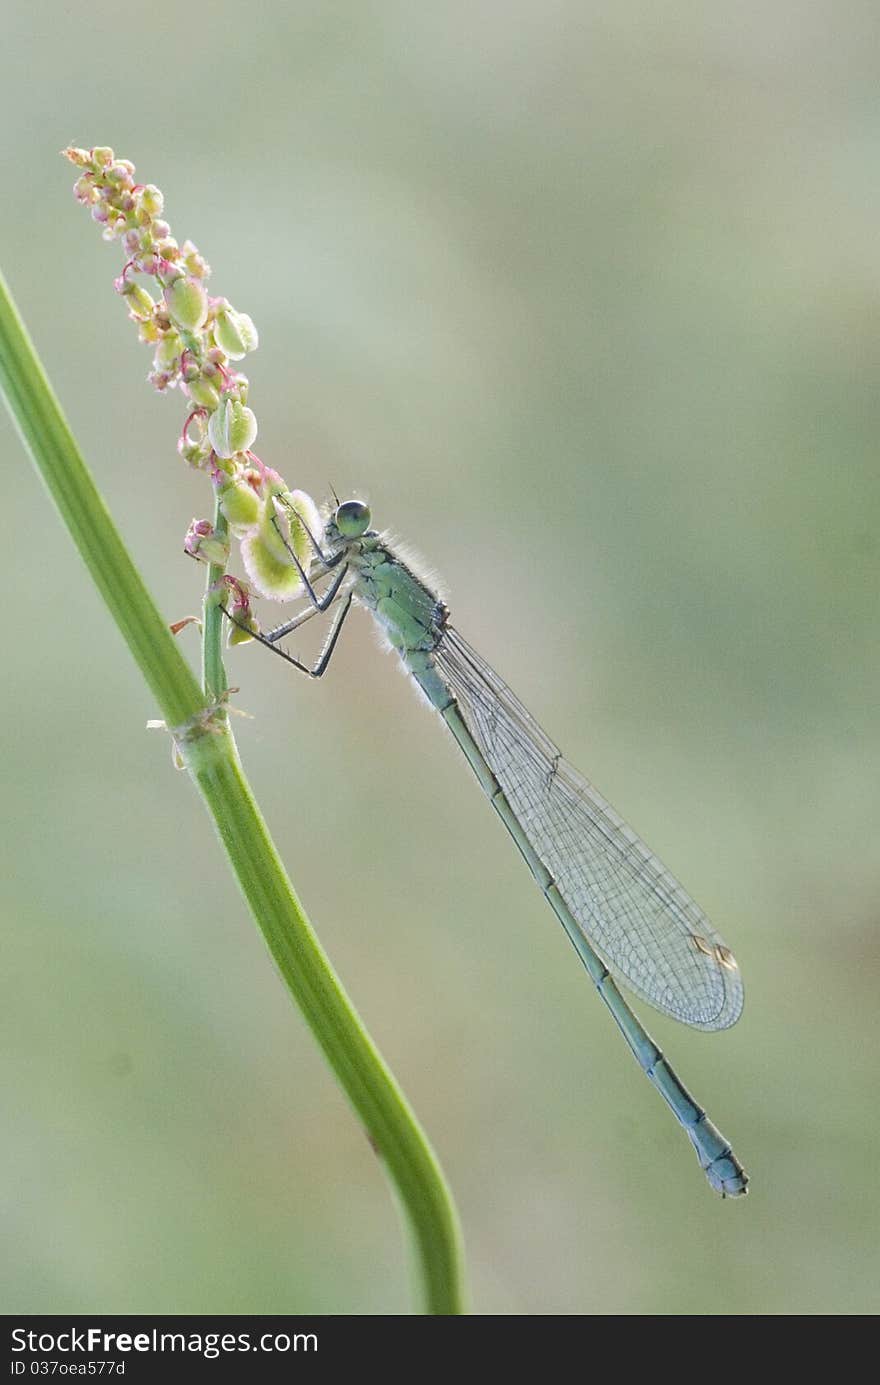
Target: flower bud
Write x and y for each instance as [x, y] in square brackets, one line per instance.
[102, 156]
[117, 174]
[84, 189]
[152, 200]
[167, 356]
[203, 543]
[194, 261]
[244, 625]
[232, 428]
[194, 453]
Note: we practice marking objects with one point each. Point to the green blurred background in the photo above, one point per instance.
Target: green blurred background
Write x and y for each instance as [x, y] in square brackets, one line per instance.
[584, 298]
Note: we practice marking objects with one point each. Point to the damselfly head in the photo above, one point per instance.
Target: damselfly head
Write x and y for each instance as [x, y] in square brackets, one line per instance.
[352, 519]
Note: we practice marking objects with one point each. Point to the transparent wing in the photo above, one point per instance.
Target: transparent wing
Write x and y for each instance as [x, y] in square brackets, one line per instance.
[648, 931]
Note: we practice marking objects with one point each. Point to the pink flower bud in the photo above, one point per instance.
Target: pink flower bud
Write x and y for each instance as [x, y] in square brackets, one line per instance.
[203, 543]
[84, 189]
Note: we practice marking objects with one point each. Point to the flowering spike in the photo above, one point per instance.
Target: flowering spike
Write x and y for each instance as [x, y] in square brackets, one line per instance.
[195, 340]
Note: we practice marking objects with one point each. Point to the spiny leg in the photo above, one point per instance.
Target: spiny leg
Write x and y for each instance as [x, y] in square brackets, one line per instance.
[323, 603]
[326, 654]
[327, 651]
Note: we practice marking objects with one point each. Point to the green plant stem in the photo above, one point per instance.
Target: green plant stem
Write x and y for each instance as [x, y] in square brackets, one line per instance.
[207, 747]
[213, 763]
[214, 679]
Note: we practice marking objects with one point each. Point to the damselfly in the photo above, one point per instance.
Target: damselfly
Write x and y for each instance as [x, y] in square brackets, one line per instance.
[627, 917]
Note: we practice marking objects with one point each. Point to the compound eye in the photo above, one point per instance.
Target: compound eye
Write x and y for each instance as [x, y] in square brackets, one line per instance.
[352, 519]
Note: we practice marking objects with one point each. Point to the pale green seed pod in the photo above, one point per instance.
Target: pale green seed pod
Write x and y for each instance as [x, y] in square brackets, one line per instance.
[235, 333]
[232, 428]
[201, 391]
[270, 575]
[187, 302]
[240, 504]
[139, 302]
[306, 508]
[265, 551]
